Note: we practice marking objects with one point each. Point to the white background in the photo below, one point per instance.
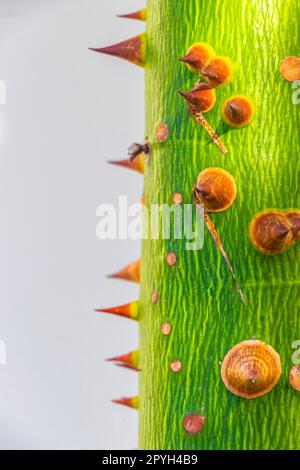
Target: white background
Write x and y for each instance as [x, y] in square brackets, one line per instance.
[68, 110]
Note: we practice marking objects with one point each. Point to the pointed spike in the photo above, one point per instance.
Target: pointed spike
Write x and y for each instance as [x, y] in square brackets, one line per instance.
[130, 360]
[133, 50]
[129, 273]
[138, 164]
[211, 132]
[140, 15]
[131, 402]
[130, 311]
[213, 231]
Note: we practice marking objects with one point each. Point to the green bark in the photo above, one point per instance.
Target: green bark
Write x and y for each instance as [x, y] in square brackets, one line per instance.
[198, 295]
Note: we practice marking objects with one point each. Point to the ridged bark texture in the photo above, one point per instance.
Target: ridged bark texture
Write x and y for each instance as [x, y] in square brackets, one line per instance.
[198, 296]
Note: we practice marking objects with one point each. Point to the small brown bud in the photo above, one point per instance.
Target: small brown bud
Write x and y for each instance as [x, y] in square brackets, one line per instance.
[218, 71]
[171, 259]
[177, 198]
[154, 297]
[166, 328]
[271, 232]
[198, 55]
[193, 423]
[162, 132]
[294, 377]
[201, 98]
[238, 111]
[176, 366]
[215, 189]
[290, 68]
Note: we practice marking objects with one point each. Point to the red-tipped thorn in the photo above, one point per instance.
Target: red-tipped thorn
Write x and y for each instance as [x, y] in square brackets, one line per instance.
[140, 15]
[131, 402]
[138, 164]
[129, 273]
[129, 360]
[130, 311]
[133, 50]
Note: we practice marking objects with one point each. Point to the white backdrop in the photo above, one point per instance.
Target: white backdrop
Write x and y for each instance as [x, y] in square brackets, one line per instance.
[68, 110]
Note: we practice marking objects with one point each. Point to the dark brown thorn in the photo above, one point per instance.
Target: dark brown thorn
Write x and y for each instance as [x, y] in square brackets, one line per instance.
[211, 132]
[213, 231]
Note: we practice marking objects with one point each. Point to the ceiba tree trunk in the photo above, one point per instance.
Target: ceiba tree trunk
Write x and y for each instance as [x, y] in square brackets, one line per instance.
[197, 295]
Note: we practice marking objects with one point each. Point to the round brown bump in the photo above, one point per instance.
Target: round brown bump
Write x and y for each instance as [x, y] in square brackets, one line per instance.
[154, 297]
[162, 132]
[215, 189]
[166, 328]
[171, 259]
[201, 98]
[238, 111]
[251, 369]
[218, 71]
[273, 232]
[177, 198]
[176, 366]
[290, 68]
[198, 55]
[294, 377]
[193, 423]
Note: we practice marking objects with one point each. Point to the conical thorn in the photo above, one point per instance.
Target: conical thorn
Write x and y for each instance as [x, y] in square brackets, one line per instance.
[131, 402]
[130, 311]
[129, 273]
[133, 50]
[138, 164]
[140, 15]
[129, 360]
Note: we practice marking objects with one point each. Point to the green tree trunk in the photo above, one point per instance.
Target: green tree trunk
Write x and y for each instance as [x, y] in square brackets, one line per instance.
[198, 296]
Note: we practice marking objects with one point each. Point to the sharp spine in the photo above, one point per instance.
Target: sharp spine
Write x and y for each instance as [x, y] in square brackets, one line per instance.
[129, 273]
[133, 50]
[138, 164]
[131, 402]
[140, 15]
[130, 310]
[130, 360]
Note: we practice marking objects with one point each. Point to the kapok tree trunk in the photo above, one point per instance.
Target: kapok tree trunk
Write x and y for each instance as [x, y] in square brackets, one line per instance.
[197, 295]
